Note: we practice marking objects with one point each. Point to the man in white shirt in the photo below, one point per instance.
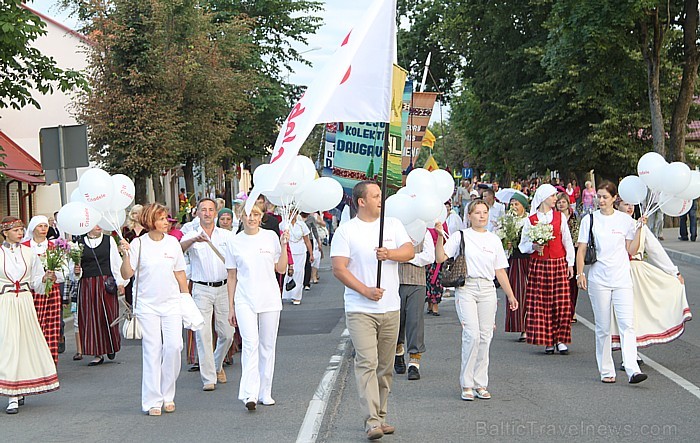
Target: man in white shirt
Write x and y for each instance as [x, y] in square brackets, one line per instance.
[496, 209]
[208, 273]
[371, 313]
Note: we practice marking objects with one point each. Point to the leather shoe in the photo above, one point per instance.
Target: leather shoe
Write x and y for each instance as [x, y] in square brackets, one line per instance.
[12, 407]
[209, 387]
[399, 364]
[250, 404]
[683, 238]
[221, 376]
[638, 378]
[112, 355]
[413, 373]
[97, 361]
[375, 433]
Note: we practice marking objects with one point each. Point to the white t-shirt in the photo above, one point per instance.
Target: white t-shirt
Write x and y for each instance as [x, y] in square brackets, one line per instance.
[297, 231]
[254, 257]
[356, 240]
[611, 232]
[205, 265]
[483, 252]
[158, 291]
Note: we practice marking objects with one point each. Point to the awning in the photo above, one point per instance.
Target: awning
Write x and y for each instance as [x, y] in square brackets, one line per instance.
[19, 165]
[21, 176]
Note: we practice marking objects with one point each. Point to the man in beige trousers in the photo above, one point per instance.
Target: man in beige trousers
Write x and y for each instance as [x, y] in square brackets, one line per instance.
[371, 313]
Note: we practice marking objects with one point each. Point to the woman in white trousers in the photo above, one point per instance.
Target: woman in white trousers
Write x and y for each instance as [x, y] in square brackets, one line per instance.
[476, 300]
[158, 263]
[609, 281]
[255, 304]
[299, 244]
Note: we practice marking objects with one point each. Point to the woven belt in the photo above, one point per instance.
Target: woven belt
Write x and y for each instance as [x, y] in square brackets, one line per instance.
[214, 284]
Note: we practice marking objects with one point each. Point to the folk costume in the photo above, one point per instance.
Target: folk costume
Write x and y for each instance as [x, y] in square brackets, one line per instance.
[518, 267]
[26, 366]
[48, 307]
[660, 303]
[548, 303]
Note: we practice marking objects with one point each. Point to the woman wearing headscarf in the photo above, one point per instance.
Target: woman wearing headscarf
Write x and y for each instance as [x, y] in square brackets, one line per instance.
[26, 366]
[548, 311]
[617, 236]
[225, 218]
[48, 306]
[97, 306]
[518, 267]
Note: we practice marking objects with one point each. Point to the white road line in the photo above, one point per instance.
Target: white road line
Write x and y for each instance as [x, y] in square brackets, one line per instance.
[308, 433]
[663, 370]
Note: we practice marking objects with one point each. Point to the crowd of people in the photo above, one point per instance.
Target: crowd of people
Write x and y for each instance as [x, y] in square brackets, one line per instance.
[240, 267]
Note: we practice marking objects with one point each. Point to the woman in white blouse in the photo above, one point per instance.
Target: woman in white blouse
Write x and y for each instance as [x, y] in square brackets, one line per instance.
[299, 244]
[476, 300]
[157, 263]
[609, 281]
[254, 296]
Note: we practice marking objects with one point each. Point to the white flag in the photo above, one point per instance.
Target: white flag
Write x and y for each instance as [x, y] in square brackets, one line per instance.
[355, 86]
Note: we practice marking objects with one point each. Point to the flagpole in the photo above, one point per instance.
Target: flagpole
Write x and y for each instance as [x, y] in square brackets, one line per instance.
[385, 165]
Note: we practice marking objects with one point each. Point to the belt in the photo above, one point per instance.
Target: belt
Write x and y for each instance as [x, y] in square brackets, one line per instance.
[214, 284]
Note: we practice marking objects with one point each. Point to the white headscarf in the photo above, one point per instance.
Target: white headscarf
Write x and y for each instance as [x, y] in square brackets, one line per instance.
[543, 192]
[33, 223]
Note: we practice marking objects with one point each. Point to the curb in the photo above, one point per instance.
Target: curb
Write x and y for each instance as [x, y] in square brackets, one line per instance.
[683, 256]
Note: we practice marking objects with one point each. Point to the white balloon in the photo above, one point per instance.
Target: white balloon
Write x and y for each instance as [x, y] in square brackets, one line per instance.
[264, 177]
[96, 186]
[76, 196]
[321, 194]
[443, 214]
[674, 206]
[632, 189]
[444, 184]
[650, 169]
[112, 220]
[400, 206]
[420, 180]
[692, 191]
[427, 207]
[676, 178]
[416, 230]
[291, 179]
[345, 215]
[78, 218]
[308, 168]
[406, 191]
[124, 192]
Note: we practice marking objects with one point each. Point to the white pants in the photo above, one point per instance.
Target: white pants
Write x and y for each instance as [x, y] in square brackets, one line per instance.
[605, 301]
[298, 277]
[259, 334]
[162, 346]
[212, 300]
[476, 307]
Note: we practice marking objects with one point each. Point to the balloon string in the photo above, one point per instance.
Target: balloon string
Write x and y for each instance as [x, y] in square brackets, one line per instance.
[113, 224]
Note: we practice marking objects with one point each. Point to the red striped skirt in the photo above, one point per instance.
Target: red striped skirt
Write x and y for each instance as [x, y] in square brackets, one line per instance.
[96, 311]
[517, 275]
[48, 312]
[548, 303]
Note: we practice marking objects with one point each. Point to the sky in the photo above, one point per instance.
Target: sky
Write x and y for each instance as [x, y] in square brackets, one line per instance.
[339, 16]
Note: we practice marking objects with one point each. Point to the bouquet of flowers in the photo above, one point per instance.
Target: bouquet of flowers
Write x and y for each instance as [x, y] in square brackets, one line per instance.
[508, 230]
[542, 233]
[75, 252]
[54, 260]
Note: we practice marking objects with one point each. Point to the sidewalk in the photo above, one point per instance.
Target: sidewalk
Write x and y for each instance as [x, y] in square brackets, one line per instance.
[685, 251]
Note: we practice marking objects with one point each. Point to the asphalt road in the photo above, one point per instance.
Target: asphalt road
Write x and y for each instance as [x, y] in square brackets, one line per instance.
[536, 397]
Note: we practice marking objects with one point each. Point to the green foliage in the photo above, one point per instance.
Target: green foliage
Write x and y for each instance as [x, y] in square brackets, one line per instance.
[23, 68]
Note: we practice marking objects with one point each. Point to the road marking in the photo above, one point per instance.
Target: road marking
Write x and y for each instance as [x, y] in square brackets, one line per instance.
[308, 433]
[663, 370]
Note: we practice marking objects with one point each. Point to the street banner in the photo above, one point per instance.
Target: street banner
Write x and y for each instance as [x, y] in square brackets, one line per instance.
[420, 110]
[329, 148]
[354, 86]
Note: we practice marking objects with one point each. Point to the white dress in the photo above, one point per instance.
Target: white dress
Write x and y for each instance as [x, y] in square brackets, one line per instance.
[26, 365]
[660, 303]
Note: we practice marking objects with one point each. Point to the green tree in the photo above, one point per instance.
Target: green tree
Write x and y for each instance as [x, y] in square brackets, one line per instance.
[23, 68]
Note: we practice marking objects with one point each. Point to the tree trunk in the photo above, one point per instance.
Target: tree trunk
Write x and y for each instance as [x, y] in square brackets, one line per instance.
[188, 172]
[141, 183]
[652, 57]
[691, 58]
[158, 189]
[228, 193]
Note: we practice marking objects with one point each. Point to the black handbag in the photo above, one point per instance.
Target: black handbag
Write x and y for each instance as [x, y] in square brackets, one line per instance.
[110, 282]
[453, 272]
[591, 256]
